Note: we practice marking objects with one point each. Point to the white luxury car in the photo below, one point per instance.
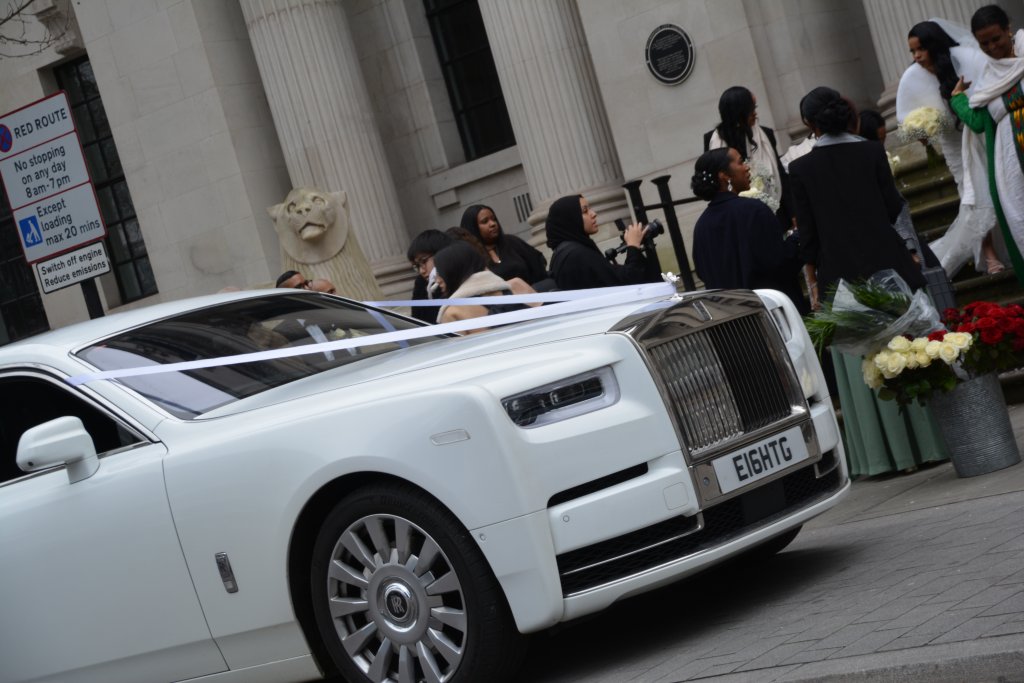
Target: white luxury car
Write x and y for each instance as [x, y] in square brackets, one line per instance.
[393, 511]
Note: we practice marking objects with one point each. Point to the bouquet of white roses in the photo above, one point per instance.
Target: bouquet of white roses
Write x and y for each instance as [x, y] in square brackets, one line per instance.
[910, 369]
[923, 123]
[760, 188]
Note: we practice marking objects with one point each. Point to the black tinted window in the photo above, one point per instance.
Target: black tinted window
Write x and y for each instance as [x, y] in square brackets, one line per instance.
[34, 401]
[250, 326]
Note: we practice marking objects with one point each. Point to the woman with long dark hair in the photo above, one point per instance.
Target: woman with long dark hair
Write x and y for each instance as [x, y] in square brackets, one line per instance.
[736, 241]
[462, 273]
[738, 129]
[509, 256]
[939, 61]
[846, 203]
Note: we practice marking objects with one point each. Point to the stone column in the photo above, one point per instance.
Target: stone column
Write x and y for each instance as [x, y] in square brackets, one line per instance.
[322, 113]
[551, 91]
[891, 20]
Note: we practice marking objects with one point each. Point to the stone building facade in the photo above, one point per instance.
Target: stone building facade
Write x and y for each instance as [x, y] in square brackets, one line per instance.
[216, 108]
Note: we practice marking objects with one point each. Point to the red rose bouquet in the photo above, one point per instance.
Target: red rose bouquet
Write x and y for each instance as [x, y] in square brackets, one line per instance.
[998, 332]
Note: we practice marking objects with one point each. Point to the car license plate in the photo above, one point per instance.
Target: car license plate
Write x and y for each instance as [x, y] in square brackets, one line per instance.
[760, 459]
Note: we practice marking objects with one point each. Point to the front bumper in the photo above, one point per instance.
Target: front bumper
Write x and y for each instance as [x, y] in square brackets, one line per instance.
[578, 557]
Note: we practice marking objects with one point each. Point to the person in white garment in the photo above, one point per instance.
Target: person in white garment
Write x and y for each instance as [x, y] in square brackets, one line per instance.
[939, 61]
[994, 105]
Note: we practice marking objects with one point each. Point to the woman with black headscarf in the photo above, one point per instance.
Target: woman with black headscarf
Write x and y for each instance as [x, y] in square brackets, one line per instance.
[509, 256]
[577, 262]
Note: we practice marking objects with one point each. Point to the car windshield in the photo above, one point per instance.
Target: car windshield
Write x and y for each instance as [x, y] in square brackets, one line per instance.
[253, 325]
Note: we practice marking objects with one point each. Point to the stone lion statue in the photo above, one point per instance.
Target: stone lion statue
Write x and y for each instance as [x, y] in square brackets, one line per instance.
[317, 241]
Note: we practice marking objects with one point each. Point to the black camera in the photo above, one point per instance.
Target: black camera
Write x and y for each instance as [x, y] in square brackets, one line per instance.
[654, 228]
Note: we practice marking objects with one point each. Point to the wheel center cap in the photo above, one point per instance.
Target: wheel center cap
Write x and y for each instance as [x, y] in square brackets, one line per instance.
[397, 604]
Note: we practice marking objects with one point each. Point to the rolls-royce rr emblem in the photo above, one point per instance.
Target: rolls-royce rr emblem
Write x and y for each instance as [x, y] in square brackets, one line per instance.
[396, 604]
[702, 311]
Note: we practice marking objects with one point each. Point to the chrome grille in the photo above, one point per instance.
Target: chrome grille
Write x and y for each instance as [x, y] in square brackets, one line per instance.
[699, 389]
[724, 380]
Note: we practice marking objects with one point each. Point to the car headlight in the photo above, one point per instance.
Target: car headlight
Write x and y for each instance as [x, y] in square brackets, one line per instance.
[564, 399]
[806, 374]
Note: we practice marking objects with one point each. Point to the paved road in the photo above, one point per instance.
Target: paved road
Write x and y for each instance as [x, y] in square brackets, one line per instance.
[912, 578]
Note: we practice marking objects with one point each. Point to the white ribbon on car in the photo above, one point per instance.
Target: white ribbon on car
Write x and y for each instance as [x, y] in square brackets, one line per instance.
[568, 302]
[540, 297]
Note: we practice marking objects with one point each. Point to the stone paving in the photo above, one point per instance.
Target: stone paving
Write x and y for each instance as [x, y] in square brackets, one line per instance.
[912, 578]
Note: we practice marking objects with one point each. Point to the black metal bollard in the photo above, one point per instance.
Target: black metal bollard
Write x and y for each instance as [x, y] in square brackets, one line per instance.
[668, 205]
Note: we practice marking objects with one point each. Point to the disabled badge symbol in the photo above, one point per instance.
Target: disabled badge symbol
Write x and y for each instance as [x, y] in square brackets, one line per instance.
[30, 233]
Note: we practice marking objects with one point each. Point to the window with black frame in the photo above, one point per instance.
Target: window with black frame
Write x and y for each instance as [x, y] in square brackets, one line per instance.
[21, 308]
[471, 77]
[127, 250]
[253, 325]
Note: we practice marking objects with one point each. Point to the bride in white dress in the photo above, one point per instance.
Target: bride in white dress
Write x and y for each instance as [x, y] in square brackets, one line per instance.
[938, 62]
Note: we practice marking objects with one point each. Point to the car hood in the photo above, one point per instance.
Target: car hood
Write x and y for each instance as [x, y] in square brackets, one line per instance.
[450, 350]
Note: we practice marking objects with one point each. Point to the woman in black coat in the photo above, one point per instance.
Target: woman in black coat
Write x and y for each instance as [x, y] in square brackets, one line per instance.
[846, 201]
[738, 129]
[577, 262]
[510, 256]
[736, 241]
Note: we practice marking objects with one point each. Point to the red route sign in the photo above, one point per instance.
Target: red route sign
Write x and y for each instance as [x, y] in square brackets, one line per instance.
[46, 179]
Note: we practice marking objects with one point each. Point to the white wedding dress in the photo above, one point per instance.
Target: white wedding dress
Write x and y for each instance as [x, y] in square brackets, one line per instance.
[965, 155]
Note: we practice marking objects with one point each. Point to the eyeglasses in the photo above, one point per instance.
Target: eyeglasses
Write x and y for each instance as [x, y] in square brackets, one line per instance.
[420, 262]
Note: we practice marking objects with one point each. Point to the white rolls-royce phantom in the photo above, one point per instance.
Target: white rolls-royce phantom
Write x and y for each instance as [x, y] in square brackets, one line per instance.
[357, 498]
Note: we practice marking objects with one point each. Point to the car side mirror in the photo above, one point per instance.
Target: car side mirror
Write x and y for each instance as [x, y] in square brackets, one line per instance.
[62, 441]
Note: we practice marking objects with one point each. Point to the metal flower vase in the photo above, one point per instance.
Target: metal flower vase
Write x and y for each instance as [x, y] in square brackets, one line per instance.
[976, 426]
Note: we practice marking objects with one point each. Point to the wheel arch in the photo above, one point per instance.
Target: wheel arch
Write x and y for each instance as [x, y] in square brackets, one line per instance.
[300, 548]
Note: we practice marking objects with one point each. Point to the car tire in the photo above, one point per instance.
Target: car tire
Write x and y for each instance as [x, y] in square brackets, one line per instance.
[402, 593]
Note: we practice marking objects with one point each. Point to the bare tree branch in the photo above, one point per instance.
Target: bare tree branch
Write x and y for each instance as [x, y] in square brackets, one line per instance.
[14, 29]
[13, 11]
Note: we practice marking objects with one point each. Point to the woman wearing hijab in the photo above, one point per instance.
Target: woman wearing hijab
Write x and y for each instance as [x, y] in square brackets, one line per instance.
[577, 262]
[929, 83]
[738, 129]
[509, 256]
[995, 107]
[846, 202]
[462, 273]
[736, 241]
